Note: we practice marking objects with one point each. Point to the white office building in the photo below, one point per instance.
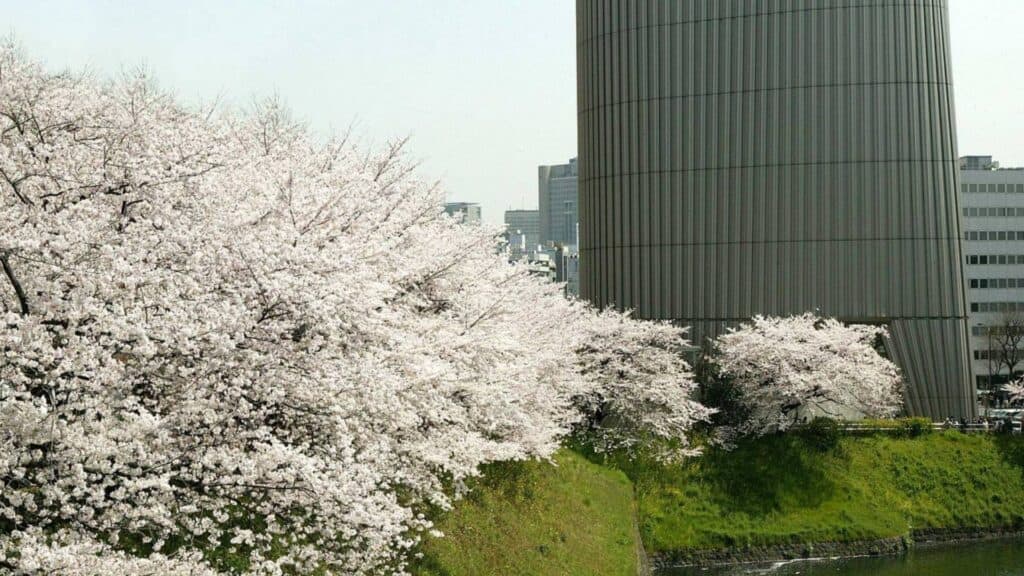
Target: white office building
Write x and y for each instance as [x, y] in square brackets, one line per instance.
[992, 207]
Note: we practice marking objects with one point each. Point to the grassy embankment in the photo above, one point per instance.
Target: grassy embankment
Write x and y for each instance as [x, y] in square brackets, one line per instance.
[577, 518]
[782, 490]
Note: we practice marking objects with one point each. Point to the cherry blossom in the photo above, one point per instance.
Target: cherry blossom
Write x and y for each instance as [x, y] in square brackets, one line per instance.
[221, 332]
[1015, 389]
[786, 369]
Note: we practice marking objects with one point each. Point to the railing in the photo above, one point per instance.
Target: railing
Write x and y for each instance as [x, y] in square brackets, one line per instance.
[969, 428]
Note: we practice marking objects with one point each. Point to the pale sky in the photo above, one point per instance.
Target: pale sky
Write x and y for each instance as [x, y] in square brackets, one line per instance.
[485, 88]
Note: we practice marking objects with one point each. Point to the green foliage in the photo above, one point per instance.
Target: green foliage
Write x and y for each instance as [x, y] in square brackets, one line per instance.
[822, 434]
[724, 396]
[573, 517]
[915, 427]
[899, 427]
[785, 489]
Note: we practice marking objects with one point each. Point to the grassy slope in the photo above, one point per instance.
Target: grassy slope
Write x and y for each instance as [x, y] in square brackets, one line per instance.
[535, 519]
[778, 491]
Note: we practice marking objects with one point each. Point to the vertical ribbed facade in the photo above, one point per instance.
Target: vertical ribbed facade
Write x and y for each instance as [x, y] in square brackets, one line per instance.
[742, 157]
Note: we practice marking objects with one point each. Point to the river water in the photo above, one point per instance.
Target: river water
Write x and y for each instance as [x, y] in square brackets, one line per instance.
[999, 558]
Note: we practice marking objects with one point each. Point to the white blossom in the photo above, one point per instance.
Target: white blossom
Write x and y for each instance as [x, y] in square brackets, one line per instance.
[787, 368]
[218, 330]
[645, 386]
[1015, 389]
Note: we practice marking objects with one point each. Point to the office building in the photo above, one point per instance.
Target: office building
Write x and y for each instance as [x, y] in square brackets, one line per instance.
[558, 188]
[567, 269]
[766, 157]
[525, 223]
[992, 208]
[468, 212]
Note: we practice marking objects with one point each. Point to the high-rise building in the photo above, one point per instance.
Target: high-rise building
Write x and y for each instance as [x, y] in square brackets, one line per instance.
[992, 207]
[558, 189]
[469, 212]
[525, 223]
[766, 157]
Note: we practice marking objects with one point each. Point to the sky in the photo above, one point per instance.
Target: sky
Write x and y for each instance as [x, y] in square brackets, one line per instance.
[484, 88]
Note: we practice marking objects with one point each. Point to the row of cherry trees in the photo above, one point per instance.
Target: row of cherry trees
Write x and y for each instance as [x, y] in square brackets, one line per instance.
[221, 333]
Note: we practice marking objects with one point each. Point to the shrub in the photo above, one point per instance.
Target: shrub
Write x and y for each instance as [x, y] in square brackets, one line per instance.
[822, 434]
[913, 427]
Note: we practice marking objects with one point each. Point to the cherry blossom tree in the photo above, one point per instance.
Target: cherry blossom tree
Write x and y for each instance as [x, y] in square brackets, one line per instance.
[646, 388]
[1015, 390]
[223, 336]
[784, 369]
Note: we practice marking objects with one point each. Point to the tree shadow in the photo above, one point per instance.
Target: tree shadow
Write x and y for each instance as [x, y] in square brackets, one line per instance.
[767, 475]
[1011, 448]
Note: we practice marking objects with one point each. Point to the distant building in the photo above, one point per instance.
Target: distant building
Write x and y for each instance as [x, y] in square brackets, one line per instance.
[525, 223]
[558, 191]
[468, 211]
[543, 265]
[992, 205]
[978, 163]
[567, 269]
[516, 244]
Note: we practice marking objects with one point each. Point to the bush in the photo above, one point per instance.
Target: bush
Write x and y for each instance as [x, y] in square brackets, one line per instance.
[913, 427]
[822, 434]
[897, 428]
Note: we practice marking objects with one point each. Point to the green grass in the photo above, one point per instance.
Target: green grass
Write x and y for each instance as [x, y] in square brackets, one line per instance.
[780, 490]
[575, 518]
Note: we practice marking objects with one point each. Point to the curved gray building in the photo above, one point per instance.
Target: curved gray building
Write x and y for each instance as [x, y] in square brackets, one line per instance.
[742, 157]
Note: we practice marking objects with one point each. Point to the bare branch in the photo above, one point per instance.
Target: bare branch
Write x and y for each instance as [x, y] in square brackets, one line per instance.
[19, 291]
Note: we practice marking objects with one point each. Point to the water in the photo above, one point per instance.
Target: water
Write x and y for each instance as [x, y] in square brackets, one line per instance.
[1000, 558]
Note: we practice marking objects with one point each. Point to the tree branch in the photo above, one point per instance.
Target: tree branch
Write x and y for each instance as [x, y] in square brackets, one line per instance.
[18, 290]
